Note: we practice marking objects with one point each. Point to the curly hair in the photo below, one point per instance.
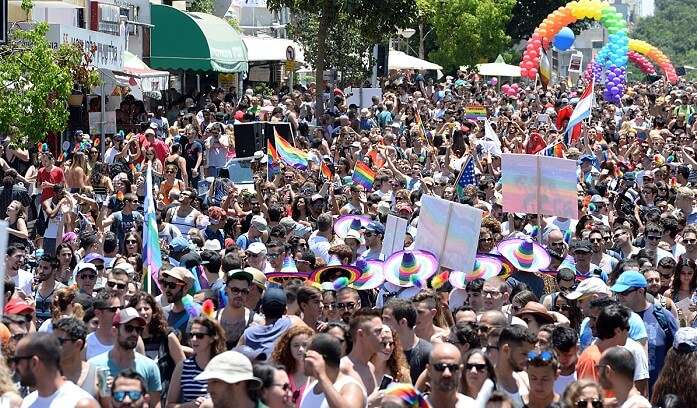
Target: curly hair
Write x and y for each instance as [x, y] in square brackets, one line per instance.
[397, 364]
[281, 353]
[575, 389]
[677, 377]
[62, 299]
[215, 330]
[158, 325]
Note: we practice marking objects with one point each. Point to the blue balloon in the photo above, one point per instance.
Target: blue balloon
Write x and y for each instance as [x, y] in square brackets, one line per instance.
[564, 39]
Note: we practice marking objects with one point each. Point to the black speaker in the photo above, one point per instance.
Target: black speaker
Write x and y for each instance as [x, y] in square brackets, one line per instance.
[382, 63]
[680, 71]
[249, 138]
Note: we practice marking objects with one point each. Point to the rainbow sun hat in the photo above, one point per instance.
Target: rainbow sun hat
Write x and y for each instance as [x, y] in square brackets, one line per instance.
[332, 272]
[289, 271]
[371, 277]
[524, 254]
[410, 268]
[350, 222]
[485, 267]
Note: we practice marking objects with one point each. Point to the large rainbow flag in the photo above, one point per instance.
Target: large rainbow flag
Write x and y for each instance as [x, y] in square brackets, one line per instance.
[152, 258]
[363, 175]
[272, 161]
[290, 154]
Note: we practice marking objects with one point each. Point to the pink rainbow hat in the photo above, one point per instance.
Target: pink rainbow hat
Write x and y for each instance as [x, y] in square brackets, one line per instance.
[371, 277]
[403, 268]
[350, 222]
[485, 267]
[283, 277]
[525, 254]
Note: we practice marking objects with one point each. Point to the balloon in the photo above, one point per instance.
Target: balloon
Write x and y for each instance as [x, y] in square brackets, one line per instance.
[515, 86]
[564, 39]
[505, 88]
[494, 81]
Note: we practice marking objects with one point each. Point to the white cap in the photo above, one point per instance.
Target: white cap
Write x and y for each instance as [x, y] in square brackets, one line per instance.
[588, 286]
[230, 367]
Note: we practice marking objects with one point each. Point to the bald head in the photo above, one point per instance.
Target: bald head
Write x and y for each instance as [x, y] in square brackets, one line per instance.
[444, 352]
[493, 318]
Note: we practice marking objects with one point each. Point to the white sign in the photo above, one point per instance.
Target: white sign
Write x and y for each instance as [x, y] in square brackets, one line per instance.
[109, 126]
[108, 49]
[450, 231]
[395, 230]
[362, 97]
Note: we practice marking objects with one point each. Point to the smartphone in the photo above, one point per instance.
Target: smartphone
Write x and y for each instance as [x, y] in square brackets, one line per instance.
[386, 381]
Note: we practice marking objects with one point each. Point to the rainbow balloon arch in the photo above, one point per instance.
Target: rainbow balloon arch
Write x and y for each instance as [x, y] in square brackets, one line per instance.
[612, 58]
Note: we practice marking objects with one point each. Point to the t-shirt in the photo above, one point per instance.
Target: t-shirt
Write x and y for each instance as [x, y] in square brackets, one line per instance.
[563, 381]
[658, 344]
[636, 401]
[123, 223]
[641, 360]
[94, 347]
[463, 401]
[586, 364]
[144, 366]
[637, 331]
[418, 358]
[66, 396]
[23, 280]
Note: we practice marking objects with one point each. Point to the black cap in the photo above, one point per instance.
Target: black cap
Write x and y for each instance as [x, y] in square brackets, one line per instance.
[191, 260]
[582, 245]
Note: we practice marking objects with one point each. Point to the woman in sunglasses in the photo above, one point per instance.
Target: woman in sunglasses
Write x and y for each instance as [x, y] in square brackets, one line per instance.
[478, 378]
[207, 341]
[275, 389]
[583, 394]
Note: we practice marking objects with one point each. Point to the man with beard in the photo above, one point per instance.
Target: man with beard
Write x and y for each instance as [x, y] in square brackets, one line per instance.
[616, 368]
[655, 289]
[14, 261]
[445, 371]
[598, 254]
[235, 317]
[557, 248]
[129, 326]
[515, 342]
[37, 362]
[106, 305]
[43, 295]
[175, 284]
[128, 390]
[365, 330]
[347, 302]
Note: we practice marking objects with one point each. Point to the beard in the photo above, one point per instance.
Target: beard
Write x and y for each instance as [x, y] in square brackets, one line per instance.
[27, 379]
[129, 343]
[447, 384]
[514, 365]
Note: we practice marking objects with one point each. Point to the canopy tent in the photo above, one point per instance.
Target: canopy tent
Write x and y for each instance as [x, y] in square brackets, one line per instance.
[498, 68]
[183, 41]
[400, 60]
[148, 79]
[271, 49]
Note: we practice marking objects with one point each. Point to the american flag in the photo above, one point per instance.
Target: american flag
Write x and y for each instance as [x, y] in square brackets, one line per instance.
[466, 177]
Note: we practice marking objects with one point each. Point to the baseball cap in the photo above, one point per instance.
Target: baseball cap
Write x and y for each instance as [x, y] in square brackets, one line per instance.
[258, 276]
[230, 367]
[597, 199]
[240, 274]
[256, 248]
[191, 260]
[92, 256]
[126, 315]
[85, 265]
[179, 244]
[628, 280]
[18, 306]
[685, 340]
[126, 267]
[316, 197]
[259, 223]
[587, 287]
[582, 245]
[179, 273]
[273, 297]
[375, 226]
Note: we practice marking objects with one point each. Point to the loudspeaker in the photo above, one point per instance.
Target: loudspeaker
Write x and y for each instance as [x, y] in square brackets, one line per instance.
[381, 62]
[680, 71]
[249, 138]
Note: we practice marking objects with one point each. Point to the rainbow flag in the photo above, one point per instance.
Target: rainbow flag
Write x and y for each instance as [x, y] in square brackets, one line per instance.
[152, 258]
[326, 171]
[363, 175]
[475, 112]
[272, 162]
[553, 150]
[290, 154]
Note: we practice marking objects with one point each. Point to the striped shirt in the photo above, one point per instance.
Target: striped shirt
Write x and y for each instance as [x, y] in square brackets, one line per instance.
[190, 388]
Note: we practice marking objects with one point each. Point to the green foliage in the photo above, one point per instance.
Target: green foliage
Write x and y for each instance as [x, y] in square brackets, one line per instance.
[263, 89]
[26, 6]
[202, 6]
[234, 23]
[672, 30]
[528, 14]
[470, 31]
[35, 83]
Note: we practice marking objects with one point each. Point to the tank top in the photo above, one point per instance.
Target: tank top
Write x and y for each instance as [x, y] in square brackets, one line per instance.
[190, 388]
[234, 330]
[94, 347]
[89, 384]
[184, 224]
[312, 400]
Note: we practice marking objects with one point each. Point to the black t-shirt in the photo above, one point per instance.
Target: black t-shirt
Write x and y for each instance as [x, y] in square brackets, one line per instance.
[418, 358]
[191, 154]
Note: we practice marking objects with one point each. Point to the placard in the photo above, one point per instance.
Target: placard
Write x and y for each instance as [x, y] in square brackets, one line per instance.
[395, 230]
[475, 112]
[450, 231]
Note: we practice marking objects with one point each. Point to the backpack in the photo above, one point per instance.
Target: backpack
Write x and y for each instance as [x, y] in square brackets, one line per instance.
[663, 322]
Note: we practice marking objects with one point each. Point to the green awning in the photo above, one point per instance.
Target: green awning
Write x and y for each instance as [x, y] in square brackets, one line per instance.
[183, 41]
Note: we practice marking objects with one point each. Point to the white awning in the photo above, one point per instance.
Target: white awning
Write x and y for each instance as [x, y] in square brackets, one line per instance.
[54, 4]
[149, 80]
[499, 68]
[400, 60]
[271, 49]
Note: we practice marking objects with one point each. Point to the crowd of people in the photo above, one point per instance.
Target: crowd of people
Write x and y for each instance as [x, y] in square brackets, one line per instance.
[280, 295]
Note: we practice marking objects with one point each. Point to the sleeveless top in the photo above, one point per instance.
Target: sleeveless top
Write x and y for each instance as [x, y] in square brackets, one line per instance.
[174, 163]
[89, 384]
[184, 224]
[234, 330]
[190, 388]
[312, 400]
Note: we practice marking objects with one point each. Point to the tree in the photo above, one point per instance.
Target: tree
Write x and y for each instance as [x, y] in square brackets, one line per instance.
[672, 30]
[528, 14]
[35, 83]
[202, 6]
[374, 20]
[470, 31]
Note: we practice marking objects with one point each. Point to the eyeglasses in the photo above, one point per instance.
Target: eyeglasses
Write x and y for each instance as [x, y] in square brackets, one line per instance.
[169, 284]
[17, 359]
[491, 293]
[284, 387]
[274, 254]
[593, 403]
[117, 285]
[120, 396]
[237, 291]
[440, 367]
[112, 309]
[540, 358]
[131, 329]
[690, 241]
[653, 237]
[62, 341]
[346, 306]
[199, 335]
[87, 276]
[477, 367]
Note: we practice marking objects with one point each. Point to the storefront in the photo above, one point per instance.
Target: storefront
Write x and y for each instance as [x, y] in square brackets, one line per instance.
[273, 60]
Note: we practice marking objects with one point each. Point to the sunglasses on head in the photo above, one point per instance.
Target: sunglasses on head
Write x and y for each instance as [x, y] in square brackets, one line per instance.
[120, 396]
[540, 357]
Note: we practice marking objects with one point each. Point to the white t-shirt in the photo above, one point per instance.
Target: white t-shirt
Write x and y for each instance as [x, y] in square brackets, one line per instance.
[93, 347]
[641, 360]
[563, 381]
[637, 401]
[23, 280]
[66, 396]
[463, 401]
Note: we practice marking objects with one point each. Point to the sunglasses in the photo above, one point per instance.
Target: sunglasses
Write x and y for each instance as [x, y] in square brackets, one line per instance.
[131, 241]
[540, 358]
[117, 285]
[63, 341]
[346, 306]
[627, 292]
[477, 367]
[440, 367]
[199, 335]
[387, 343]
[170, 285]
[594, 404]
[120, 396]
[17, 359]
[237, 291]
[653, 237]
[690, 241]
[112, 309]
[131, 329]
[87, 276]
